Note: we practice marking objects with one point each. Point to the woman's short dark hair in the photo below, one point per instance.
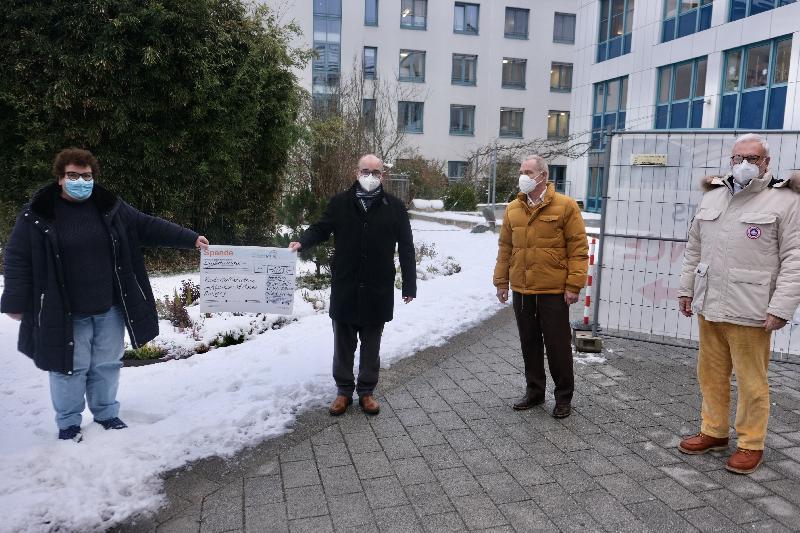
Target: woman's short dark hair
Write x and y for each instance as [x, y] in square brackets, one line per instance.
[74, 156]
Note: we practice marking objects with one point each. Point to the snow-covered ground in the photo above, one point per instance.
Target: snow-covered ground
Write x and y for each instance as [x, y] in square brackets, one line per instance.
[210, 404]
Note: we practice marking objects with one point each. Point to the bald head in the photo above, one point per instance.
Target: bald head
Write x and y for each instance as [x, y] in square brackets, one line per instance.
[370, 161]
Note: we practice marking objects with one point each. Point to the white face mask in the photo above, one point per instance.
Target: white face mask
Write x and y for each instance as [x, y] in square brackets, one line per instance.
[527, 184]
[744, 172]
[369, 183]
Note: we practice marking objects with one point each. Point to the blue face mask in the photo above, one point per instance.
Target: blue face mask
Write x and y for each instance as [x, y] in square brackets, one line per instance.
[79, 189]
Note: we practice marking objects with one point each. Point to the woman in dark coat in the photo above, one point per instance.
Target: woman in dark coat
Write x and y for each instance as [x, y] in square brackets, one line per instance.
[75, 279]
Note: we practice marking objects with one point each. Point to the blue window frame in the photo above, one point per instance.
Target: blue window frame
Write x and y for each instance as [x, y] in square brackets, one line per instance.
[368, 113]
[755, 79]
[681, 94]
[594, 189]
[465, 18]
[511, 122]
[456, 170]
[564, 28]
[610, 98]
[370, 62]
[414, 14]
[370, 12]
[412, 66]
[465, 70]
[558, 175]
[557, 124]
[517, 23]
[744, 8]
[513, 76]
[409, 116]
[561, 77]
[685, 17]
[462, 119]
[326, 64]
[616, 27]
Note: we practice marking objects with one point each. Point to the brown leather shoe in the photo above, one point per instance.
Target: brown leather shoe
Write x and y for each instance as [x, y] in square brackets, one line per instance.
[702, 443]
[528, 401]
[745, 461]
[369, 405]
[340, 405]
[561, 410]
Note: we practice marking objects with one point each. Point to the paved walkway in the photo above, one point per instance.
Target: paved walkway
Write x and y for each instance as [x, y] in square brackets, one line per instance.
[447, 453]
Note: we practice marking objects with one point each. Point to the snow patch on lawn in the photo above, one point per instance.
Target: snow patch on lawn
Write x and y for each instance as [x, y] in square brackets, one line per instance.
[210, 404]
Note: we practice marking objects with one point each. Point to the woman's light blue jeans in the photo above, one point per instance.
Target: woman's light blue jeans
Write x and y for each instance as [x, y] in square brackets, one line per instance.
[99, 344]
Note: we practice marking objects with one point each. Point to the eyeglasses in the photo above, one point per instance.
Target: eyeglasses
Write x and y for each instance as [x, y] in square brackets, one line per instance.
[72, 176]
[753, 159]
[375, 173]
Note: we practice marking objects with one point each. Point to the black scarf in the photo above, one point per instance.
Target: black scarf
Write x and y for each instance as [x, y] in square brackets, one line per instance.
[366, 198]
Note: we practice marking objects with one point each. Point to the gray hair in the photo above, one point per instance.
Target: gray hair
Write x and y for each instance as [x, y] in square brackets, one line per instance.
[541, 162]
[748, 137]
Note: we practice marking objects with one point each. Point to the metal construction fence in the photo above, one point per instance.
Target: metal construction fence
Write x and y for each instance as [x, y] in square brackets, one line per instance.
[647, 211]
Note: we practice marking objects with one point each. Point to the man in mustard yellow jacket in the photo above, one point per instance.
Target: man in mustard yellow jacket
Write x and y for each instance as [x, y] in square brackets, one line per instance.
[544, 255]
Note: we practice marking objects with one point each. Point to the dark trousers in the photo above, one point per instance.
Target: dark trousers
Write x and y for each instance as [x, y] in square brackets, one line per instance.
[545, 316]
[345, 337]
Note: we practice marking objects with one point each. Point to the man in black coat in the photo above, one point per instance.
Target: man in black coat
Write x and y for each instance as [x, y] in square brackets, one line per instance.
[75, 279]
[366, 223]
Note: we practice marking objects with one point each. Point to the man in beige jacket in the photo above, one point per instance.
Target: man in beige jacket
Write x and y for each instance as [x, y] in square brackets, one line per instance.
[741, 275]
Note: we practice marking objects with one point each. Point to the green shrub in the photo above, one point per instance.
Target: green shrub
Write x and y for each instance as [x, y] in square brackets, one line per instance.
[146, 352]
[460, 197]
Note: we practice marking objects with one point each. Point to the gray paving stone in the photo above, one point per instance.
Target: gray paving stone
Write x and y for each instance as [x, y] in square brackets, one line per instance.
[526, 516]
[742, 486]
[780, 509]
[481, 461]
[300, 474]
[427, 435]
[329, 455]
[577, 523]
[266, 518]
[708, 519]
[443, 523]
[636, 467]
[181, 524]
[298, 452]
[478, 512]
[428, 499]
[399, 447]
[447, 420]
[340, 480]
[372, 465]
[458, 482]
[454, 395]
[624, 488]
[362, 442]
[304, 502]
[463, 439]
[672, 493]
[413, 417]
[330, 435]
[349, 511]
[657, 516]
[401, 399]
[387, 427]
[527, 471]
[398, 520]
[262, 490]
[318, 524]
[384, 492]
[502, 488]
[507, 449]
[732, 506]
[788, 468]
[434, 404]
[593, 463]
[441, 457]
[571, 477]
[412, 471]
[689, 477]
[608, 511]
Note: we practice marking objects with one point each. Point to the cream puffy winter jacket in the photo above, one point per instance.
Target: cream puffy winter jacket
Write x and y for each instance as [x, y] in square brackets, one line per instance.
[742, 260]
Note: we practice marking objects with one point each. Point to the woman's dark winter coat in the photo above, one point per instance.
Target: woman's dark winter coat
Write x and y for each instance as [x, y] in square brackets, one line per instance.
[34, 275]
[362, 268]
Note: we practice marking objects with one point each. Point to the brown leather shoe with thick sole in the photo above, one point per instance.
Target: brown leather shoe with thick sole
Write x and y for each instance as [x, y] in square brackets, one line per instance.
[562, 410]
[340, 405]
[702, 443]
[369, 405]
[528, 401]
[745, 461]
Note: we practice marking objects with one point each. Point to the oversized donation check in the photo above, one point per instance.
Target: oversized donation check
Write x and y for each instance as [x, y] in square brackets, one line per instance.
[247, 279]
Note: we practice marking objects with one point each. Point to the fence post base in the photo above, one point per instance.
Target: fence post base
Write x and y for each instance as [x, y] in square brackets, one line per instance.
[586, 343]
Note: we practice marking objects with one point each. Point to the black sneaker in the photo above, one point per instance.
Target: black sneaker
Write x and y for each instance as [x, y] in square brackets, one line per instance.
[71, 433]
[112, 423]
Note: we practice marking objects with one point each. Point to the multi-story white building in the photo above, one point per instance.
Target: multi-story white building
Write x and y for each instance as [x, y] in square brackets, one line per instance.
[681, 64]
[479, 70]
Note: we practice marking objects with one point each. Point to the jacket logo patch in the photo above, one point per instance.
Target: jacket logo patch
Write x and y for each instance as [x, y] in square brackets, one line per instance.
[753, 232]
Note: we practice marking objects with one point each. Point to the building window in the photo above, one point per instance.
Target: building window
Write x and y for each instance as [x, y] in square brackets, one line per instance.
[681, 95]
[465, 69]
[465, 18]
[744, 8]
[610, 99]
[517, 22]
[514, 73]
[754, 86]
[557, 124]
[616, 25]
[685, 17]
[594, 190]
[462, 120]
[326, 65]
[558, 175]
[412, 66]
[511, 122]
[370, 62]
[370, 12]
[561, 77]
[409, 116]
[456, 170]
[368, 113]
[564, 28]
[414, 14]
